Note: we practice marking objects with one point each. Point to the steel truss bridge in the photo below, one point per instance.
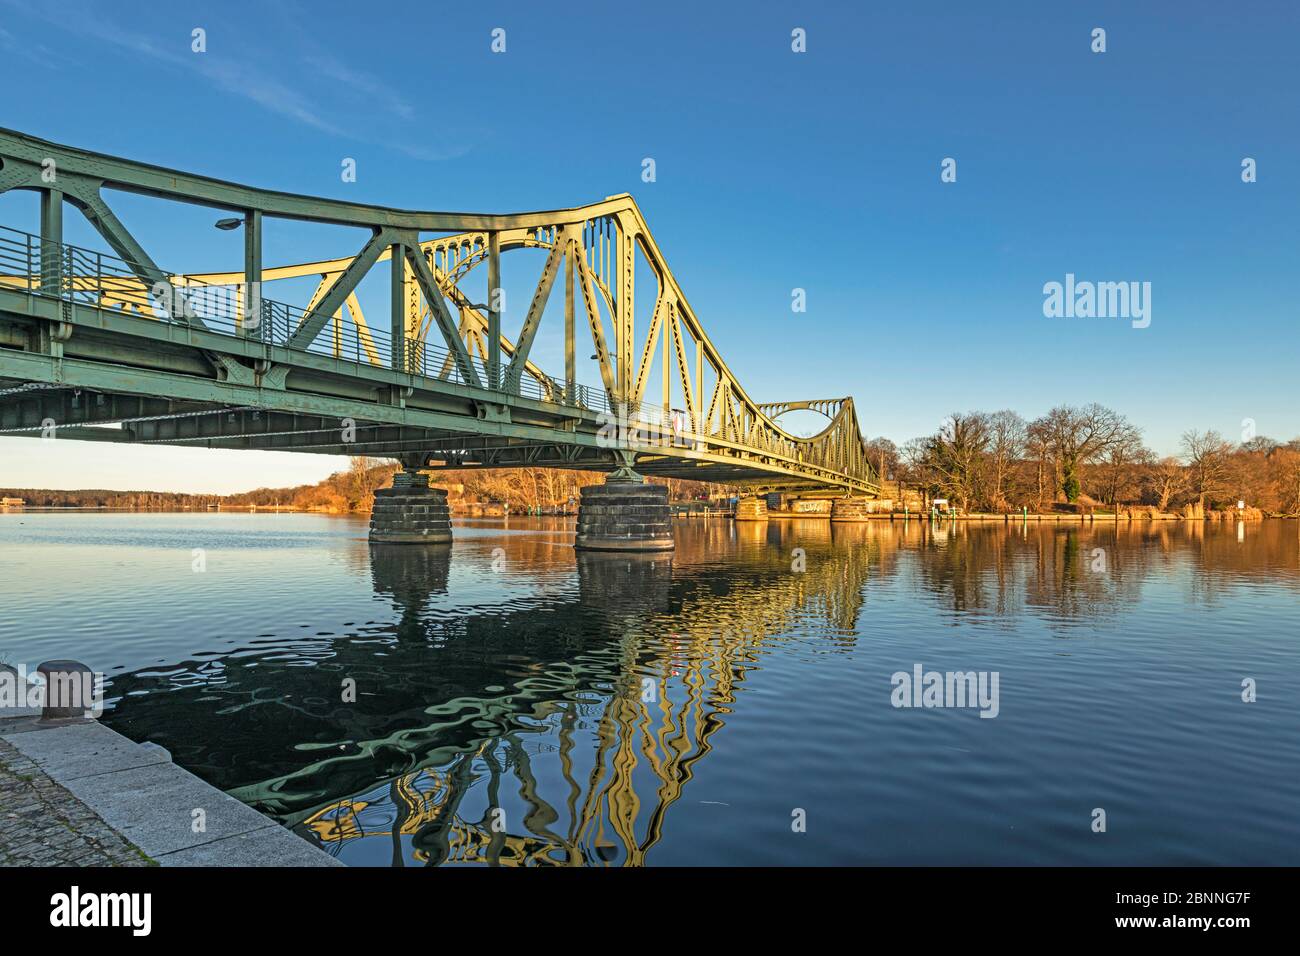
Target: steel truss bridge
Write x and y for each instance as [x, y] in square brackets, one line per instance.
[92, 338]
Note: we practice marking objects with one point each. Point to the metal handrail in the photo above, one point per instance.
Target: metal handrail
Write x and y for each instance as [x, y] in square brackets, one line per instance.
[71, 273]
[89, 277]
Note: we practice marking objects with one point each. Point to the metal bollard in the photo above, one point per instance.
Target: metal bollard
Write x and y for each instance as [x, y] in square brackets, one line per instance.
[69, 689]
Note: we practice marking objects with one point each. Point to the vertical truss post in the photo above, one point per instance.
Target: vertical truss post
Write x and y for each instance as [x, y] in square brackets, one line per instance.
[699, 387]
[252, 297]
[51, 241]
[570, 359]
[494, 311]
[415, 329]
[625, 250]
[397, 305]
[671, 307]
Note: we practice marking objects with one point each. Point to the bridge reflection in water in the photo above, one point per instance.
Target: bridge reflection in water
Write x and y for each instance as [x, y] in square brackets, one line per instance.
[580, 760]
[561, 711]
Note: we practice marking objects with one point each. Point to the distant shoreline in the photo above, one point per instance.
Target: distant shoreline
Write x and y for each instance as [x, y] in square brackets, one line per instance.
[1046, 516]
[233, 509]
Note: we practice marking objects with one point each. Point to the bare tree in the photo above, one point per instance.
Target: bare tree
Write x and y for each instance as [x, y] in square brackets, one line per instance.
[955, 454]
[1167, 478]
[1078, 436]
[1120, 466]
[883, 455]
[1007, 434]
[364, 477]
[1284, 468]
[1036, 448]
[1209, 463]
[914, 468]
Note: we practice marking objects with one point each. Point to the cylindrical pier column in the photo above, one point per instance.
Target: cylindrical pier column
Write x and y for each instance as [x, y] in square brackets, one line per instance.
[410, 512]
[624, 515]
[751, 508]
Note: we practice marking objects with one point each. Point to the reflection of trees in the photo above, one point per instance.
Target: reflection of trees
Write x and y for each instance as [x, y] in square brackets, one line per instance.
[1068, 571]
[1228, 555]
[1083, 572]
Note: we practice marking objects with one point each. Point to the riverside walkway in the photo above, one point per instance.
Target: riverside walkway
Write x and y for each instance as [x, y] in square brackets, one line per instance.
[43, 824]
[75, 793]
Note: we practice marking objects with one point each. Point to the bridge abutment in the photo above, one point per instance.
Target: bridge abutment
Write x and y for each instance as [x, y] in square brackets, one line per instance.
[751, 508]
[849, 509]
[410, 512]
[626, 513]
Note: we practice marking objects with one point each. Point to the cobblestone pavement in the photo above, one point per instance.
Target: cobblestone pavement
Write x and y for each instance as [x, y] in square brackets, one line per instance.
[41, 824]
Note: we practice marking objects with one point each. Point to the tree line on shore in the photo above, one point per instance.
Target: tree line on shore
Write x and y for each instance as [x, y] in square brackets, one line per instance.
[1090, 454]
[353, 490]
[979, 461]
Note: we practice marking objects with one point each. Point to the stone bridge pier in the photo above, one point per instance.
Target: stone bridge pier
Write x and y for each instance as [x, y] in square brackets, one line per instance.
[411, 512]
[751, 508]
[626, 513]
[849, 509]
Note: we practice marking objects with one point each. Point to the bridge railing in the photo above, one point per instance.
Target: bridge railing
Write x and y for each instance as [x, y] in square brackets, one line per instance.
[89, 277]
[19, 259]
[101, 280]
[437, 362]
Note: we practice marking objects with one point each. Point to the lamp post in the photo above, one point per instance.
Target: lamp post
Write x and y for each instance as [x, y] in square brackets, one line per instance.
[252, 221]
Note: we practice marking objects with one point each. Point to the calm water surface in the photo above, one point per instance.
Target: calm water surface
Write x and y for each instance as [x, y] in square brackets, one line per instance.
[517, 703]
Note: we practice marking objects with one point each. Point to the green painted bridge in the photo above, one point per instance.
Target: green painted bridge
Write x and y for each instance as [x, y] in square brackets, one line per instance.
[106, 337]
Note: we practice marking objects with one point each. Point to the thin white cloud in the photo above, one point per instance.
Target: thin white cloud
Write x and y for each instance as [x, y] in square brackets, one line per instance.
[35, 52]
[375, 91]
[248, 78]
[265, 91]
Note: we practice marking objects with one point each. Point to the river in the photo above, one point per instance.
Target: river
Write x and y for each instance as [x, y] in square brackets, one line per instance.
[509, 701]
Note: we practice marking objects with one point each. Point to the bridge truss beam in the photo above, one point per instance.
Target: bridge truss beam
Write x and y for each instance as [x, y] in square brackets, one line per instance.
[120, 327]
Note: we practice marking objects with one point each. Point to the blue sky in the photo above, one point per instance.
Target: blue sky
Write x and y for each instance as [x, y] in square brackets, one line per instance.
[775, 170]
